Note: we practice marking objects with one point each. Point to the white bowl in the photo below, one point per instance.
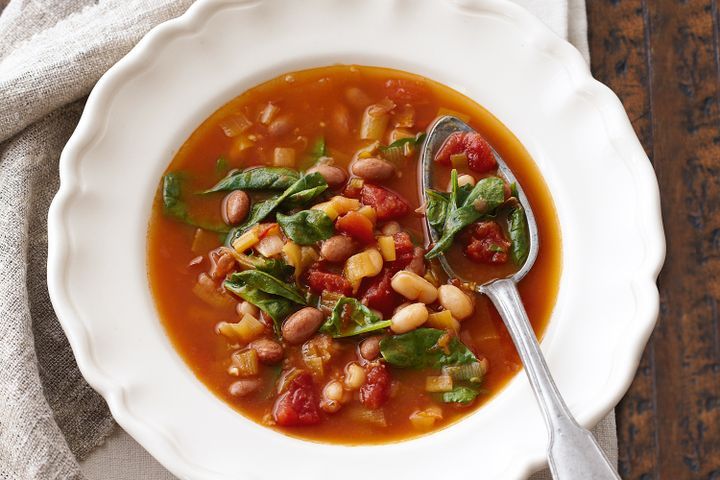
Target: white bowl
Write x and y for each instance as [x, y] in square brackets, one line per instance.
[538, 85]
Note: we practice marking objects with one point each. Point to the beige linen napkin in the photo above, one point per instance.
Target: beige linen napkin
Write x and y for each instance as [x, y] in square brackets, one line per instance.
[51, 54]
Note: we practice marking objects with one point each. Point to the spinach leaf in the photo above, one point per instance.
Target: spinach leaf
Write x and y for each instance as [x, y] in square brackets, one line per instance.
[436, 209]
[174, 205]
[257, 178]
[272, 266]
[400, 143]
[489, 191]
[301, 199]
[274, 297]
[306, 227]
[221, 165]
[419, 349]
[363, 318]
[459, 395]
[319, 149]
[519, 235]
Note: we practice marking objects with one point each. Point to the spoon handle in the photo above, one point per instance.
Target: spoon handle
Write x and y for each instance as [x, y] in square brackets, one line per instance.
[573, 452]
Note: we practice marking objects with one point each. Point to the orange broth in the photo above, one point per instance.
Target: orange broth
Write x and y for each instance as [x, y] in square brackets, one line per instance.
[312, 97]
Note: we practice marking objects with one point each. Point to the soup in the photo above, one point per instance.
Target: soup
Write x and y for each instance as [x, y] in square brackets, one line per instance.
[291, 268]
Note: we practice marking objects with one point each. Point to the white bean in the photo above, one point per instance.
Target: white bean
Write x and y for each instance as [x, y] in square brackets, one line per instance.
[409, 318]
[413, 287]
[455, 300]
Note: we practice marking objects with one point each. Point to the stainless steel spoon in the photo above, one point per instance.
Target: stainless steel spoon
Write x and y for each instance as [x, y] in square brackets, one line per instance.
[573, 453]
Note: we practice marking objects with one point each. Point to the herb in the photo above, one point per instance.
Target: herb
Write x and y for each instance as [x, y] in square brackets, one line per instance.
[459, 395]
[174, 205]
[420, 349]
[363, 319]
[519, 235]
[272, 296]
[306, 227]
[461, 212]
[395, 152]
[221, 165]
[257, 178]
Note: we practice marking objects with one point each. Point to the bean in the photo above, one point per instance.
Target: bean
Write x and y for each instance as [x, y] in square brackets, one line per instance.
[338, 248]
[373, 169]
[390, 228]
[341, 119]
[413, 287]
[370, 348]
[357, 98]
[409, 318]
[221, 263]
[301, 325]
[247, 308]
[235, 207]
[280, 126]
[354, 376]
[455, 300]
[334, 176]
[269, 351]
[244, 386]
[466, 180]
[332, 397]
[417, 264]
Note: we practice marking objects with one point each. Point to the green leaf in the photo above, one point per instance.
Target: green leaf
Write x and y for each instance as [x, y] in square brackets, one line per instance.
[460, 395]
[274, 297]
[306, 227]
[490, 191]
[395, 152]
[273, 266]
[419, 349]
[519, 235]
[350, 317]
[175, 206]
[301, 199]
[319, 149]
[257, 178]
[221, 165]
[436, 210]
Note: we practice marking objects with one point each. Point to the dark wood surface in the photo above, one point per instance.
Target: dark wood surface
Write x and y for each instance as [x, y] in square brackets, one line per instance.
[662, 59]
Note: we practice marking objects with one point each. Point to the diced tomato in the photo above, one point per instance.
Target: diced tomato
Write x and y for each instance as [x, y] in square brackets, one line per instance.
[473, 145]
[486, 243]
[319, 281]
[387, 204]
[403, 250]
[356, 225]
[403, 91]
[353, 189]
[299, 404]
[376, 389]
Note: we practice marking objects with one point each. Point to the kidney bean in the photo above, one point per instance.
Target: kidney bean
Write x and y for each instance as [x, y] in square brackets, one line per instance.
[268, 351]
[244, 386]
[417, 264]
[280, 126]
[338, 248]
[334, 176]
[235, 207]
[370, 348]
[301, 325]
[373, 169]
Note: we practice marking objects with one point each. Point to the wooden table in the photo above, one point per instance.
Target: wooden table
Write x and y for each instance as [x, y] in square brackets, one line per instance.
[662, 59]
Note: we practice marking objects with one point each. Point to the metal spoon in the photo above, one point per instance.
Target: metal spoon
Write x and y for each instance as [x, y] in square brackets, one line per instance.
[573, 452]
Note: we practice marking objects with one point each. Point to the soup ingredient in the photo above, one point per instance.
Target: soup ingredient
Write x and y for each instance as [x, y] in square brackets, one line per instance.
[479, 154]
[174, 205]
[357, 226]
[487, 243]
[350, 317]
[388, 204]
[268, 351]
[361, 265]
[235, 207]
[470, 372]
[519, 235]
[257, 178]
[306, 227]
[334, 176]
[456, 301]
[338, 248]
[422, 348]
[298, 405]
[301, 325]
[376, 389]
[409, 318]
[370, 348]
[244, 386]
[460, 395]
[373, 169]
[414, 287]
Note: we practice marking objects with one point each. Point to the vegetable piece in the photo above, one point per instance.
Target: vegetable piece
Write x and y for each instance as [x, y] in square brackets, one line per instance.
[375, 120]
[206, 290]
[246, 330]
[420, 349]
[272, 296]
[272, 266]
[284, 157]
[350, 317]
[320, 282]
[364, 264]
[489, 191]
[306, 227]
[387, 248]
[246, 240]
[298, 405]
[425, 419]
[460, 395]
[470, 372]
[174, 205]
[268, 113]
[388, 204]
[244, 363]
[357, 226]
[440, 383]
[405, 90]
[235, 124]
[376, 389]
[487, 243]
[270, 245]
[364, 415]
[319, 149]
[257, 178]
[221, 165]
[519, 235]
[479, 153]
[436, 209]
[443, 320]
[402, 147]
